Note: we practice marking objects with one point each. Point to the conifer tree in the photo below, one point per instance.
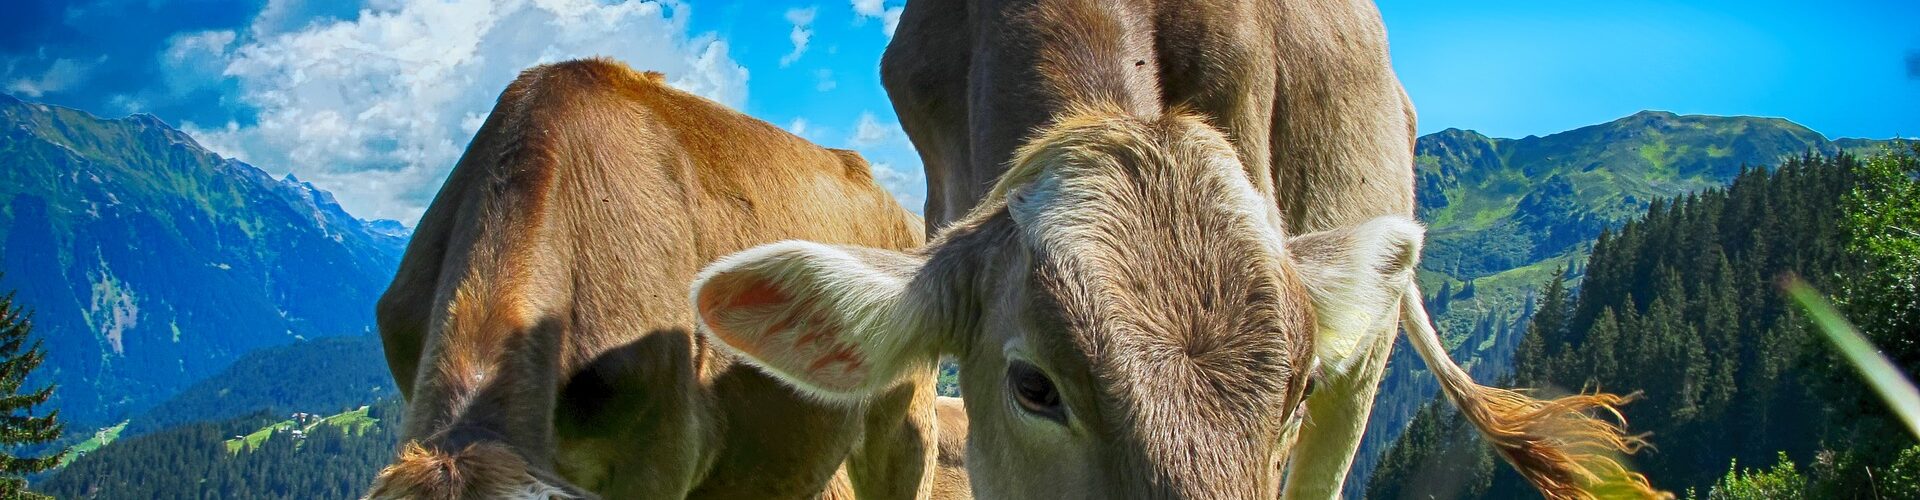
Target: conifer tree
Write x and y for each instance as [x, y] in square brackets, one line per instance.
[18, 425]
[1603, 346]
[1547, 329]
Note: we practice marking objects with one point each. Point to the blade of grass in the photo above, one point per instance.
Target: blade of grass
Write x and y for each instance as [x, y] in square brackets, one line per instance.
[1881, 374]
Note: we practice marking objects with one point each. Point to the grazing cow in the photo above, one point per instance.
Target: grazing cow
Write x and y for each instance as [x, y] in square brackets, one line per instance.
[1158, 224]
[950, 472]
[538, 324]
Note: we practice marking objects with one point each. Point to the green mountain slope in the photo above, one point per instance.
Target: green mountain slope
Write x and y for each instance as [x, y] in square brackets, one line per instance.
[1504, 214]
[150, 262]
[1498, 204]
[333, 457]
[295, 386]
[1683, 304]
[332, 373]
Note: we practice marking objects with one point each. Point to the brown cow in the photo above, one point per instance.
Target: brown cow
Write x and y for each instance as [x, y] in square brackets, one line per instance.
[1159, 220]
[538, 324]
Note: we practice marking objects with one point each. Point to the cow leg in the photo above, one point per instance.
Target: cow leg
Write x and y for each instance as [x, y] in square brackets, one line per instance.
[1336, 420]
[895, 457]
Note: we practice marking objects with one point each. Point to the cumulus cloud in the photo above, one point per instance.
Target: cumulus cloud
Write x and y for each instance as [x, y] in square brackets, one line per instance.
[802, 20]
[196, 60]
[281, 16]
[201, 46]
[907, 185]
[889, 16]
[890, 21]
[868, 131]
[896, 166]
[60, 75]
[378, 108]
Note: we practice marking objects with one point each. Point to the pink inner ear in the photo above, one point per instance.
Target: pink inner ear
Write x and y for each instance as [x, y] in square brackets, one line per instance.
[757, 293]
[810, 348]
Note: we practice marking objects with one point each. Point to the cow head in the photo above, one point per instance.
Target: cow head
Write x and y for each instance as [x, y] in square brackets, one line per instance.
[1129, 318]
[478, 470]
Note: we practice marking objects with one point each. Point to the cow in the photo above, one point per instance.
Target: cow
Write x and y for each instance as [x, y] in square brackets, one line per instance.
[1156, 227]
[537, 324]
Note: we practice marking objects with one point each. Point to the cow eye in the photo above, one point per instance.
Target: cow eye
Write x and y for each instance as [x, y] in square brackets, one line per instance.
[1034, 392]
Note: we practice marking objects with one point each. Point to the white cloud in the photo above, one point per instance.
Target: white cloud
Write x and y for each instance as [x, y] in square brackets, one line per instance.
[377, 109]
[870, 132]
[189, 46]
[889, 16]
[896, 166]
[907, 185]
[823, 80]
[60, 75]
[281, 16]
[798, 127]
[196, 60]
[802, 20]
[890, 21]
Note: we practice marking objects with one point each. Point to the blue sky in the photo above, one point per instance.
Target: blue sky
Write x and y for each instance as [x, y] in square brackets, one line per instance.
[374, 99]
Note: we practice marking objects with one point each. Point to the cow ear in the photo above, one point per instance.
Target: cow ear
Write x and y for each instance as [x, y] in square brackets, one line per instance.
[836, 322]
[1355, 276]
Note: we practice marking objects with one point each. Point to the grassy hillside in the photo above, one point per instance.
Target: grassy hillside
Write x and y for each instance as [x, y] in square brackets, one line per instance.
[1505, 214]
[334, 458]
[337, 372]
[1683, 304]
[353, 423]
[233, 431]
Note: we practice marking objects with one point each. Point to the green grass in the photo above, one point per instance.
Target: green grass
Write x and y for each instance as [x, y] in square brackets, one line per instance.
[1659, 157]
[1530, 275]
[354, 421]
[254, 440]
[100, 438]
[1503, 291]
[1718, 151]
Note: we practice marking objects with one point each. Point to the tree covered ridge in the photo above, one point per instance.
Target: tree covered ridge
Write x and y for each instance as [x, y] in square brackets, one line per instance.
[193, 461]
[1682, 304]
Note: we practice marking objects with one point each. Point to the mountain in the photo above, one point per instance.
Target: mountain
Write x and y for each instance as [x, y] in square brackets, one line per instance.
[150, 262]
[1683, 303]
[343, 376]
[1499, 204]
[334, 373]
[1504, 215]
[256, 456]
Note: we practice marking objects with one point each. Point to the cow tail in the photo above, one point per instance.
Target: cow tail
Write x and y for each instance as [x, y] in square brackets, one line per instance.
[1558, 445]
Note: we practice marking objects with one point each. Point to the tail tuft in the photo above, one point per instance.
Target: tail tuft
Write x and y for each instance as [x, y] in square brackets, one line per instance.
[1559, 445]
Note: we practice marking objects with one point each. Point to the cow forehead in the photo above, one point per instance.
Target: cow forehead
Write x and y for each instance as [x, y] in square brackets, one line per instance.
[1225, 343]
[1167, 269]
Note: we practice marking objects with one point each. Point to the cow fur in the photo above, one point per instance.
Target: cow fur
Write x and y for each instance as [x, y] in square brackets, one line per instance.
[1179, 212]
[538, 329]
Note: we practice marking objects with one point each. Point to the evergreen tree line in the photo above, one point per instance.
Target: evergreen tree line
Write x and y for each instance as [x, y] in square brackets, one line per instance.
[23, 431]
[335, 372]
[1683, 304]
[192, 462]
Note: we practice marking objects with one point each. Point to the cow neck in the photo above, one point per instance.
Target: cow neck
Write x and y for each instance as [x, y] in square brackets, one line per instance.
[1092, 54]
